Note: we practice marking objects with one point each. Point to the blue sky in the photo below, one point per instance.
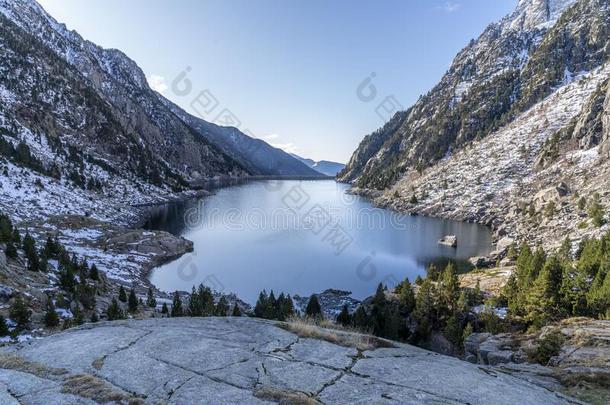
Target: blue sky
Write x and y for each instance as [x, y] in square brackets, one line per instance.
[288, 71]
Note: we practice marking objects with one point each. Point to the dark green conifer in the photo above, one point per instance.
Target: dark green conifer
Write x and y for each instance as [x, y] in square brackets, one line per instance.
[177, 306]
[313, 309]
[51, 319]
[122, 294]
[133, 301]
[344, 318]
[151, 302]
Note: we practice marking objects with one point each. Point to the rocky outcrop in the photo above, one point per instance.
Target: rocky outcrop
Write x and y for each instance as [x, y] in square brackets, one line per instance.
[241, 360]
[581, 357]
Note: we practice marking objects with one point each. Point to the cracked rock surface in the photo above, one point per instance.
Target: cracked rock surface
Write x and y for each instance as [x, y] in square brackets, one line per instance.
[241, 360]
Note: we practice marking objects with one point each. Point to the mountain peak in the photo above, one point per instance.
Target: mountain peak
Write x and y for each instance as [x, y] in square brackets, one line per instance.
[538, 14]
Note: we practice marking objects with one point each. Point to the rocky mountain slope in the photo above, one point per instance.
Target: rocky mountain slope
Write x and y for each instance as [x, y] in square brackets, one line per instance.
[82, 132]
[257, 156]
[325, 167]
[519, 120]
[240, 360]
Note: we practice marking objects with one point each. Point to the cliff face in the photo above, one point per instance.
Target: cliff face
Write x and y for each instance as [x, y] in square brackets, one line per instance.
[522, 111]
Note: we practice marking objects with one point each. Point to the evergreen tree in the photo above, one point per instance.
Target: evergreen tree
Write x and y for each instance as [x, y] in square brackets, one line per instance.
[360, 319]
[122, 294]
[94, 317]
[94, 273]
[272, 306]
[114, 311]
[378, 311]
[195, 305]
[4, 331]
[468, 330]
[164, 309]
[449, 290]
[565, 251]
[29, 248]
[313, 309]
[596, 211]
[236, 310]
[206, 300]
[433, 272]
[454, 332]
[425, 313]
[78, 317]
[177, 306]
[133, 301]
[394, 325]
[344, 318]
[222, 308]
[598, 297]
[151, 302]
[20, 313]
[406, 296]
[11, 250]
[285, 307]
[263, 309]
[51, 319]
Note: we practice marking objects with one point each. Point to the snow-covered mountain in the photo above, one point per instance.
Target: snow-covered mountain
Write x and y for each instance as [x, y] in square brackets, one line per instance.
[518, 105]
[325, 167]
[80, 128]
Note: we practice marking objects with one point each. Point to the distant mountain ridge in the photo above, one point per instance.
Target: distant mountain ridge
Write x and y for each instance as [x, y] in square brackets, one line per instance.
[325, 167]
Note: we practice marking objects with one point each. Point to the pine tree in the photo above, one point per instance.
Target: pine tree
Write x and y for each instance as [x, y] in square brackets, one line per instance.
[425, 313]
[272, 306]
[177, 306]
[206, 300]
[78, 317]
[29, 247]
[449, 289]
[344, 318]
[406, 296]
[51, 319]
[313, 309]
[122, 294]
[114, 311]
[164, 309]
[133, 301]
[20, 313]
[222, 308]
[261, 309]
[360, 319]
[598, 297]
[4, 331]
[94, 273]
[11, 250]
[467, 331]
[194, 306]
[378, 311]
[236, 310]
[285, 307]
[596, 211]
[394, 325]
[151, 302]
[454, 333]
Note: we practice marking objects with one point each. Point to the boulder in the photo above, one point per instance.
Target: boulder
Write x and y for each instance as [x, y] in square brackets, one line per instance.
[480, 261]
[448, 240]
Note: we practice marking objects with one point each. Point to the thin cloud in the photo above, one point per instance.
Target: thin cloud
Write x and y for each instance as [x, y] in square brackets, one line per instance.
[449, 7]
[157, 83]
[286, 147]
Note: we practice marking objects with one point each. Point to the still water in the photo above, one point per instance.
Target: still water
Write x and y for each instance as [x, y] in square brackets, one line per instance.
[302, 237]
